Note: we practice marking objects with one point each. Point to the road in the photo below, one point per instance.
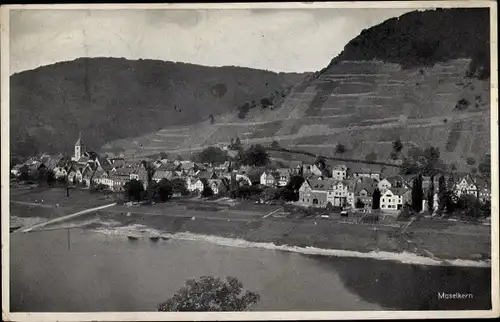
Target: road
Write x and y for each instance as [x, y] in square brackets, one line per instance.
[63, 218]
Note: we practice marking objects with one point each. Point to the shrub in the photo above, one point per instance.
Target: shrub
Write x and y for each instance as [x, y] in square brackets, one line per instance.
[210, 294]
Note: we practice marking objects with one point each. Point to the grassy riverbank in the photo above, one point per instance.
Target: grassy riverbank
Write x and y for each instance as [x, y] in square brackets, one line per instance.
[451, 242]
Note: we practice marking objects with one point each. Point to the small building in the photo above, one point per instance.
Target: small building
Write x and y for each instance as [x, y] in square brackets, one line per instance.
[268, 179]
[296, 167]
[75, 176]
[383, 185]
[393, 199]
[314, 193]
[283, 176]
[466, 186]
[483, 189]
[339, 172]
[162, 174]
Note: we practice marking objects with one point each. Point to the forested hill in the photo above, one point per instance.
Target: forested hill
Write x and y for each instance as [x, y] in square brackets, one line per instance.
[423, 38]
[112, 98]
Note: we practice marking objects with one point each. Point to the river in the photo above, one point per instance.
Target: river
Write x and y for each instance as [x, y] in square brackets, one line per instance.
[83, 271]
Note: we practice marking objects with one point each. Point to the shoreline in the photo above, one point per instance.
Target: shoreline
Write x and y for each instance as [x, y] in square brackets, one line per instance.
[137, 231]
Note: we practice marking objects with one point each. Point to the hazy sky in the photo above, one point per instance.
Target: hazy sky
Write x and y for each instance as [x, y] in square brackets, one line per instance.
[293, 40]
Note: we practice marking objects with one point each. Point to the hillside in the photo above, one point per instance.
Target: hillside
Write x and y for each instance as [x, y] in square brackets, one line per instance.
[422, 78]
[111, 98]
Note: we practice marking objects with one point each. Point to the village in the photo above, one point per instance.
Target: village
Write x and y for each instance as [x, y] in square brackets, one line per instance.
[321, 186]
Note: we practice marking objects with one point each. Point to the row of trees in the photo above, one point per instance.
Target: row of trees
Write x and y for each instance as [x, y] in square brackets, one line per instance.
[160, 192]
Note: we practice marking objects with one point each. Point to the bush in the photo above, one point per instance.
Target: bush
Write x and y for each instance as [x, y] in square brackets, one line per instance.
[210, 294]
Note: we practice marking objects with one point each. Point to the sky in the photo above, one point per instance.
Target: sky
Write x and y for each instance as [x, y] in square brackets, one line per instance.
[291, 40]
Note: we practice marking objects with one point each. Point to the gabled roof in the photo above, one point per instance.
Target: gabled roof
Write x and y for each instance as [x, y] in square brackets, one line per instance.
[367, 185]
[398, 191]
[284, 172]
[295, 164]
[321, 185]
[339, 167]
[100, 173]
[205, 175]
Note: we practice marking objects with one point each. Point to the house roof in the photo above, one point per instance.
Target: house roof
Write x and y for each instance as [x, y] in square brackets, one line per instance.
[398, 191]
[321, 185]
[295, 164]
[100, 173]
[205, 175]
[283, 172]
[368, 185]
[160, 174]
[339, 167]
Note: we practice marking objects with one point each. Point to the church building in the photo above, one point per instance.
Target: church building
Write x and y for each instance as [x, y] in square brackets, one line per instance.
[79, 148]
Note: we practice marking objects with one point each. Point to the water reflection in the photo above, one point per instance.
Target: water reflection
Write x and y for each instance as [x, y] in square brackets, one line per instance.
[411, 287]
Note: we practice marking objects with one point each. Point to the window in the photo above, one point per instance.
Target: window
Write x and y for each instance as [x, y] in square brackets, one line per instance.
[383, 200]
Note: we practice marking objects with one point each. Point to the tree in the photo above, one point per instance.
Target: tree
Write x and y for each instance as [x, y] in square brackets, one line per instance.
[179, 186]
[430, 196]
[163, 155]
[211, 155]
[275, 145]
[417, 194]
[42, 175]
[469, 205]
[134, 190]
[212, 119]
[150, 169]
[471, 161]
[179, 157]
[484, 166]
[210, 294]
[340, 149]
[51, 178]
[237, 144]
[376, 199]
[372, 156]
[320, 162]
[164, 190]
[256, 156]
[397, 146]
[207, 192]
[359, 204]
[442, 193]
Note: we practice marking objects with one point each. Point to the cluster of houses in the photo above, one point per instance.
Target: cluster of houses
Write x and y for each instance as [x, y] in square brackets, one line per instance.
[338, 185]
[354, 187]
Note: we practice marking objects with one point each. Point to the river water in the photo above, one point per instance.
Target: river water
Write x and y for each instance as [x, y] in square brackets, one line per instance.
[83, 271]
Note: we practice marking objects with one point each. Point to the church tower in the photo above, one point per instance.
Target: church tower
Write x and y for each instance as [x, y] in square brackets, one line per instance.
[79, 148]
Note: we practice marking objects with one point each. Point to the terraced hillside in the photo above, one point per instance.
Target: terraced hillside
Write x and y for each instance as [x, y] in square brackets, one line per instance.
[424, 87]
[362, 105]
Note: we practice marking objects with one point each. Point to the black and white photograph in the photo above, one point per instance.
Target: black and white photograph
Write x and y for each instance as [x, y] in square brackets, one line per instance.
[249, 161]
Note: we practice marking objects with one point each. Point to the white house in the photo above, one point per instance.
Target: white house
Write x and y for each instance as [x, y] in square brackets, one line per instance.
[59, 172]
[393, 199]
[75, 176]
[337, 194]
[339, 172]
[384, 185]
[466, 186]
[194, 184]
[267, 179]
[283, 177]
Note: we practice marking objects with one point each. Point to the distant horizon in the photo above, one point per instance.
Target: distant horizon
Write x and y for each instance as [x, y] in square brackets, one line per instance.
[274, 40]
[165, 61]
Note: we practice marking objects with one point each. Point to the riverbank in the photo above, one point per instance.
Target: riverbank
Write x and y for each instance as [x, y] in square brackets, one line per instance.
[452, 245]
